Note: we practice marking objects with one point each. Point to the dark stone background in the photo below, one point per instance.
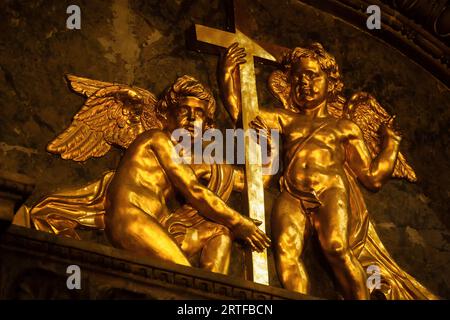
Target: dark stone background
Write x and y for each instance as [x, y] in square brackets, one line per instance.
[143, 43]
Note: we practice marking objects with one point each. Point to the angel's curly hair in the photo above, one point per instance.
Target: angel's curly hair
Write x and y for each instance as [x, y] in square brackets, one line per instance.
[328, 64]
[188, 86]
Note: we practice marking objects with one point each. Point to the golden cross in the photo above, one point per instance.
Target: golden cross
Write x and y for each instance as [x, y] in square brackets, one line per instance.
[253, 169]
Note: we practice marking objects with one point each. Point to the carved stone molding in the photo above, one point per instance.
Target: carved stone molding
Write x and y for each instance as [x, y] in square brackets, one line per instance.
[33, 265]
[418, 28]
[433, 15]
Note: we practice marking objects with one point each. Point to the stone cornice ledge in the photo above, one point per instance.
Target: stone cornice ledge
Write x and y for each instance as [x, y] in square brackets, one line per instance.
[100, 261]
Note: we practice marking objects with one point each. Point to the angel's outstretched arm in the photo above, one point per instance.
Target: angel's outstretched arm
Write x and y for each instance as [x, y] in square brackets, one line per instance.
[372, 173]
[200, 197]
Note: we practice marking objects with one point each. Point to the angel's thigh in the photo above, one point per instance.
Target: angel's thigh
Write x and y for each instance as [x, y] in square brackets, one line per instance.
[145, 235]
[331, 222]
[289, 227]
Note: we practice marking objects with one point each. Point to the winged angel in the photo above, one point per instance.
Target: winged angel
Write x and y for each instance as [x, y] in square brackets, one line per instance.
[330, 144]
[131, 203]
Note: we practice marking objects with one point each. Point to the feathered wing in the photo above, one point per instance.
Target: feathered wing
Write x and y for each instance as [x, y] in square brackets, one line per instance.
[86, 86]
[369, 115]
[113, 114]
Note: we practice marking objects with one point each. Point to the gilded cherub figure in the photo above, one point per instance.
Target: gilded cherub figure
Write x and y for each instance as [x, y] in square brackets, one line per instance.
[329, 144]
[131, 202]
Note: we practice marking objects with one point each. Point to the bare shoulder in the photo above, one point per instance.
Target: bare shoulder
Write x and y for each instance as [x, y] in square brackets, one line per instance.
[349, 128]
[282, 112]
[157, 134]
[278, 114]
[153, 137]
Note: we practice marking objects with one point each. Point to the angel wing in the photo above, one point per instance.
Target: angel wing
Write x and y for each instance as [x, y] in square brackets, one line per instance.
[368, 114]
[113, 114]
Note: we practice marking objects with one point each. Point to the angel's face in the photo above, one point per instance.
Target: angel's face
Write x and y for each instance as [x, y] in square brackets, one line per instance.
[190, 113]
[309, 83]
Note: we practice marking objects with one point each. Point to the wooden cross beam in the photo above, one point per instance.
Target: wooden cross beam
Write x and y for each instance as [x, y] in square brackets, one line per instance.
[206, 38]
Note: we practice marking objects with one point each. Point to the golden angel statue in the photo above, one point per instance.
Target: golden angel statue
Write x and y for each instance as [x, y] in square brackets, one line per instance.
[132, 203]
[330, 145]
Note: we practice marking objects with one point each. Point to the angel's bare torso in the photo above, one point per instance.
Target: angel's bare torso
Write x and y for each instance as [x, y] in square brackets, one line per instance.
[145, 178]
[136, 199]
[318, 164]
[141, 181]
